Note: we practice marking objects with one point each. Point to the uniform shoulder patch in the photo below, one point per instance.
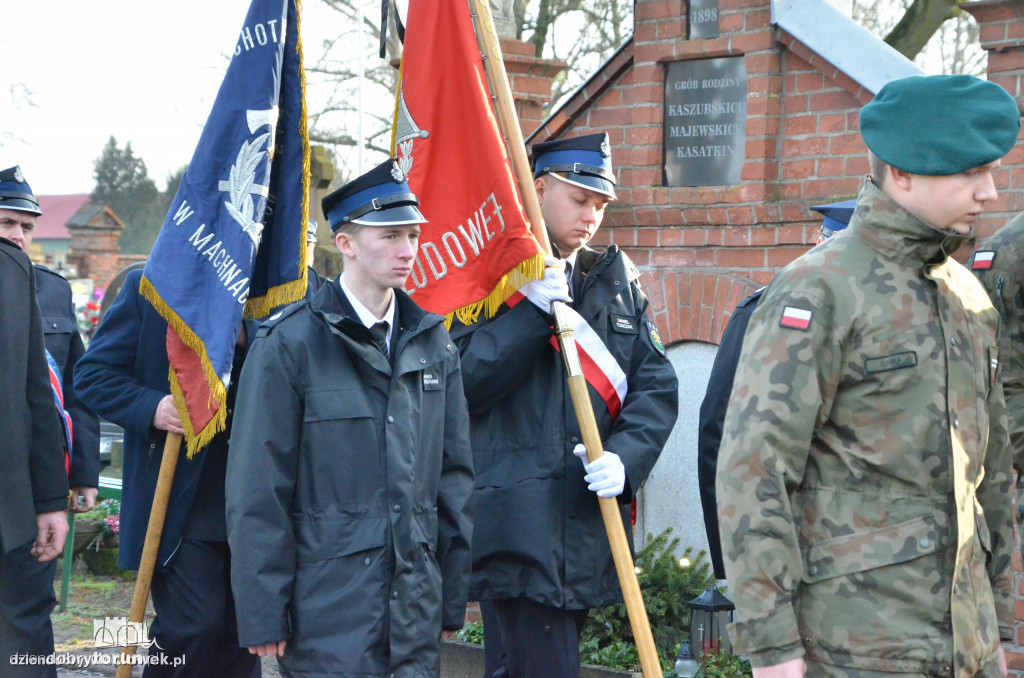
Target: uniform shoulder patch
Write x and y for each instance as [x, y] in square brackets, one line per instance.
[752, 298]
[796, 318]
[268, 324]
[655, 337]
[983, 260]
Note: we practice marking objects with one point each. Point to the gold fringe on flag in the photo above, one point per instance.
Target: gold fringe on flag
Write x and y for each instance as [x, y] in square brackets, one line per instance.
[509, 284]
[194, 440]
[286, 293]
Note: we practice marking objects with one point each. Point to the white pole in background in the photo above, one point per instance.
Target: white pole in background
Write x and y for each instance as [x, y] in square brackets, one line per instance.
[360, 46]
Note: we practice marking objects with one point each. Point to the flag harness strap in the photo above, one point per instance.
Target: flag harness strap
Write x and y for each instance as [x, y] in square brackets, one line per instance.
[580, 168]
[379, 204]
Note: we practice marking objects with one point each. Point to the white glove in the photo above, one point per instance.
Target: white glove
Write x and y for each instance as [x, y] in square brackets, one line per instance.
[606, 476]
[552, 287]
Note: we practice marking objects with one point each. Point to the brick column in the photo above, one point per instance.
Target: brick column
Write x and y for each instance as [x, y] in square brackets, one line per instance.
[95, 250]
[530, 78]
[1001, 31]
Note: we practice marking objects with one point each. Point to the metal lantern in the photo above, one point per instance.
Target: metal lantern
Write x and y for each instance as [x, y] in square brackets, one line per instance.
[710, 614]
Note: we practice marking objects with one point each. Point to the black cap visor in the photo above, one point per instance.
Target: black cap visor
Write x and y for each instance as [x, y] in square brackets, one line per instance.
[588, 181]
[19, 204]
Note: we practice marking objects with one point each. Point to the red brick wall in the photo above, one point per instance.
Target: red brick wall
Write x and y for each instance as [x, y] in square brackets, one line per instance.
[803, 148]
[529, 79]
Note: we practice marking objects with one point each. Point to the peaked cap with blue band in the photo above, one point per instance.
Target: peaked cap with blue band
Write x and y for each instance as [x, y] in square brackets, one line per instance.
[837, 215]
[15, 193]
[584, 161]
[937, 125]
[381, 197]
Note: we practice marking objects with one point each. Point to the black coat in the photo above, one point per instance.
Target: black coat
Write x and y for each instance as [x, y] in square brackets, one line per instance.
[63, 341]
[540, 534]
[712, 414]
[32, 475]
[347, 491]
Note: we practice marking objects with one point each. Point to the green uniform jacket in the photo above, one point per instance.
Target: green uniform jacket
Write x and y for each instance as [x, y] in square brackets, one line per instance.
[864, 476]
[1003, 254]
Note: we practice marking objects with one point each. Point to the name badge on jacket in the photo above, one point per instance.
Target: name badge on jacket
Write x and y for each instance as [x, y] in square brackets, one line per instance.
[432, 380]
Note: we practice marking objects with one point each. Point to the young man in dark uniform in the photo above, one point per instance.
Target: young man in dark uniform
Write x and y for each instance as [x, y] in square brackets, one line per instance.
[350, 472]
[314, 281]
[19, 211]
[541, 557]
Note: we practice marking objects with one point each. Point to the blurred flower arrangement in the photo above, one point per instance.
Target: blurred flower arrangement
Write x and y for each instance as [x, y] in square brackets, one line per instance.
[108, 512]
[88, 315]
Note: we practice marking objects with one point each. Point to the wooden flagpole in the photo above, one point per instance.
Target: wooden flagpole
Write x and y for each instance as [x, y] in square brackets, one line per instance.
[155, 529]
[508, 121]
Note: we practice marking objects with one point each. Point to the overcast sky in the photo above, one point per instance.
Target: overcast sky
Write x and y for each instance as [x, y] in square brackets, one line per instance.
[144, 71]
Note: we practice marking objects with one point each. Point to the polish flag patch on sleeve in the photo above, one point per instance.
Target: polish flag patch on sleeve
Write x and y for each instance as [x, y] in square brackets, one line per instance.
[983, 260]
[796, 318]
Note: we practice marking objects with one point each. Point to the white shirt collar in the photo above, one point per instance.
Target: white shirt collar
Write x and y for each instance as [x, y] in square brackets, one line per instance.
[365, 315]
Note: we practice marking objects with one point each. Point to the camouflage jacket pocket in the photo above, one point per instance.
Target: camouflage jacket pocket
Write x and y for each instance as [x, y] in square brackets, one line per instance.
[870, 549]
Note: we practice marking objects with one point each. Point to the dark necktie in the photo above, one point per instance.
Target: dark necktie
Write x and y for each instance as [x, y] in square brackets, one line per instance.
[380, 336]
[568, 278]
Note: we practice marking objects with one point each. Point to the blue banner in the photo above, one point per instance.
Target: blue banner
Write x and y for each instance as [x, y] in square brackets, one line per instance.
[234, 239]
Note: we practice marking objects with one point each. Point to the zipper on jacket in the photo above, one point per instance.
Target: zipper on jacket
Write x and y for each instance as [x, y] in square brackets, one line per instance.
[999, 295]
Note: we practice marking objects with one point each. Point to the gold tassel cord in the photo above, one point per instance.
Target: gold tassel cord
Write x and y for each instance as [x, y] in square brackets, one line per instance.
[394, 117]
[195, 440]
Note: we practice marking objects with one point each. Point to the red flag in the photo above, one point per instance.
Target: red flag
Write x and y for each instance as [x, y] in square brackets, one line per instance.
[477, 249]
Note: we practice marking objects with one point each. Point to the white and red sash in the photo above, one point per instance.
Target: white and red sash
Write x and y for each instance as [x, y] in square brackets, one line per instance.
[600, 368]
[58, 401]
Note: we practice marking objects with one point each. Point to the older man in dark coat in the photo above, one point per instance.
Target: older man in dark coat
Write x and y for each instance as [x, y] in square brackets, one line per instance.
[60, 331]
[33, 480]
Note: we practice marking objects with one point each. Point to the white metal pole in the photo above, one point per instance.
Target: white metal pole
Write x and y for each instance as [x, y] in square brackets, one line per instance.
[359, 106]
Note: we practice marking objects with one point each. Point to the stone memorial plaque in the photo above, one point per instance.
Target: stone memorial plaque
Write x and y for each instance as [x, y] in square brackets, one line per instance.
[705, 122]
[702, 19]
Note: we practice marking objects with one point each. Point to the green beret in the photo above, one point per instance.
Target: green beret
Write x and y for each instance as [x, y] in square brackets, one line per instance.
[940, 124]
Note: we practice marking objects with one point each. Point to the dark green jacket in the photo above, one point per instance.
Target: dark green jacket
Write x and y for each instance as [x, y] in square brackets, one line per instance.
[864, 474]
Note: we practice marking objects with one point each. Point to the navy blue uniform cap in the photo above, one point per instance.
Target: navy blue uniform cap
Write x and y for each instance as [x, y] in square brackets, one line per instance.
[584, 161]
[837, 215]
[938, 125]
[15, 193]
[381, 197]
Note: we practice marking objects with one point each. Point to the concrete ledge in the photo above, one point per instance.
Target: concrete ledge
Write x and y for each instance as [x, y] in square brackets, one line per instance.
[466, 660]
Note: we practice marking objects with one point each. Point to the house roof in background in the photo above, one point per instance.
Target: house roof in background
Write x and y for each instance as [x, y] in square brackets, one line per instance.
[57, 212]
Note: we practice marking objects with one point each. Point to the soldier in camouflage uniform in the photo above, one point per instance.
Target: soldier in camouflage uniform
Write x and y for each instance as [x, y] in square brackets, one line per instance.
[999, 264]
[864, 478]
